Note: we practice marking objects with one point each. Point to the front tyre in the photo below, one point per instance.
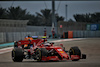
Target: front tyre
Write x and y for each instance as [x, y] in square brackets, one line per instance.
[41, 52]
[75, 51]
[17, 55]
[38, 55]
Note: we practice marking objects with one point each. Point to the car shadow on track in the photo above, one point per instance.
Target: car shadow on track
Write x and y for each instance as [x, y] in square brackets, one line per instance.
[30, 61]
[46, 61]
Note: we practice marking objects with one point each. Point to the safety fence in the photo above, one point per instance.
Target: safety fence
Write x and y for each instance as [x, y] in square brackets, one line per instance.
[15, 36]
[86, 34]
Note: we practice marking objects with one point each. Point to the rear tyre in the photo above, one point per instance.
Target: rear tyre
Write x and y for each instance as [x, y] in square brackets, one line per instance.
[75, 51]
[17, 55]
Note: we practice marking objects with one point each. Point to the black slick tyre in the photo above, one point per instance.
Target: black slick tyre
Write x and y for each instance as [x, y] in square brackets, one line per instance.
[41, 52]
[75, 51]
[17, 55]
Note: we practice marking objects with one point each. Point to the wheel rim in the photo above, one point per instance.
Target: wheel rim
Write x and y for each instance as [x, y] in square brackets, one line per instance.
[38, 55]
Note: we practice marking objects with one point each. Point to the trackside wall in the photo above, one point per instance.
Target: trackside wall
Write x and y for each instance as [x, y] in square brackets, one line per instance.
[86, 34]
[15, 36]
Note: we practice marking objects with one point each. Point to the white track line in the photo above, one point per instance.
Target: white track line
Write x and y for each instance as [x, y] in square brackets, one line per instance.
[62, 40]
[5, 50]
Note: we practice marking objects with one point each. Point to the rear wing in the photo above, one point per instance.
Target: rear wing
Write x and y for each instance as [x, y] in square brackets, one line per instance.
[23, 42]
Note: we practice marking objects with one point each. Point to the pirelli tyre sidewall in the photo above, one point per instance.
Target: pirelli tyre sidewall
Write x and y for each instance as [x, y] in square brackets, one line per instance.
[17, 55]
[75, 51]
[41, 52]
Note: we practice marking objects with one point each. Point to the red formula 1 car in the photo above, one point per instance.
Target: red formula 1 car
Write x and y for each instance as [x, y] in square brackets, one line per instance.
[40, 50]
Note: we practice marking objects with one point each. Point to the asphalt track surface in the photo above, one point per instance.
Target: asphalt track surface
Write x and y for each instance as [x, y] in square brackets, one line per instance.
[90, 46]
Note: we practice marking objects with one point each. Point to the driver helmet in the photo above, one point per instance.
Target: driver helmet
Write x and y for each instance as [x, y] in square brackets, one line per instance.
[28, 35]
[46, 44]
